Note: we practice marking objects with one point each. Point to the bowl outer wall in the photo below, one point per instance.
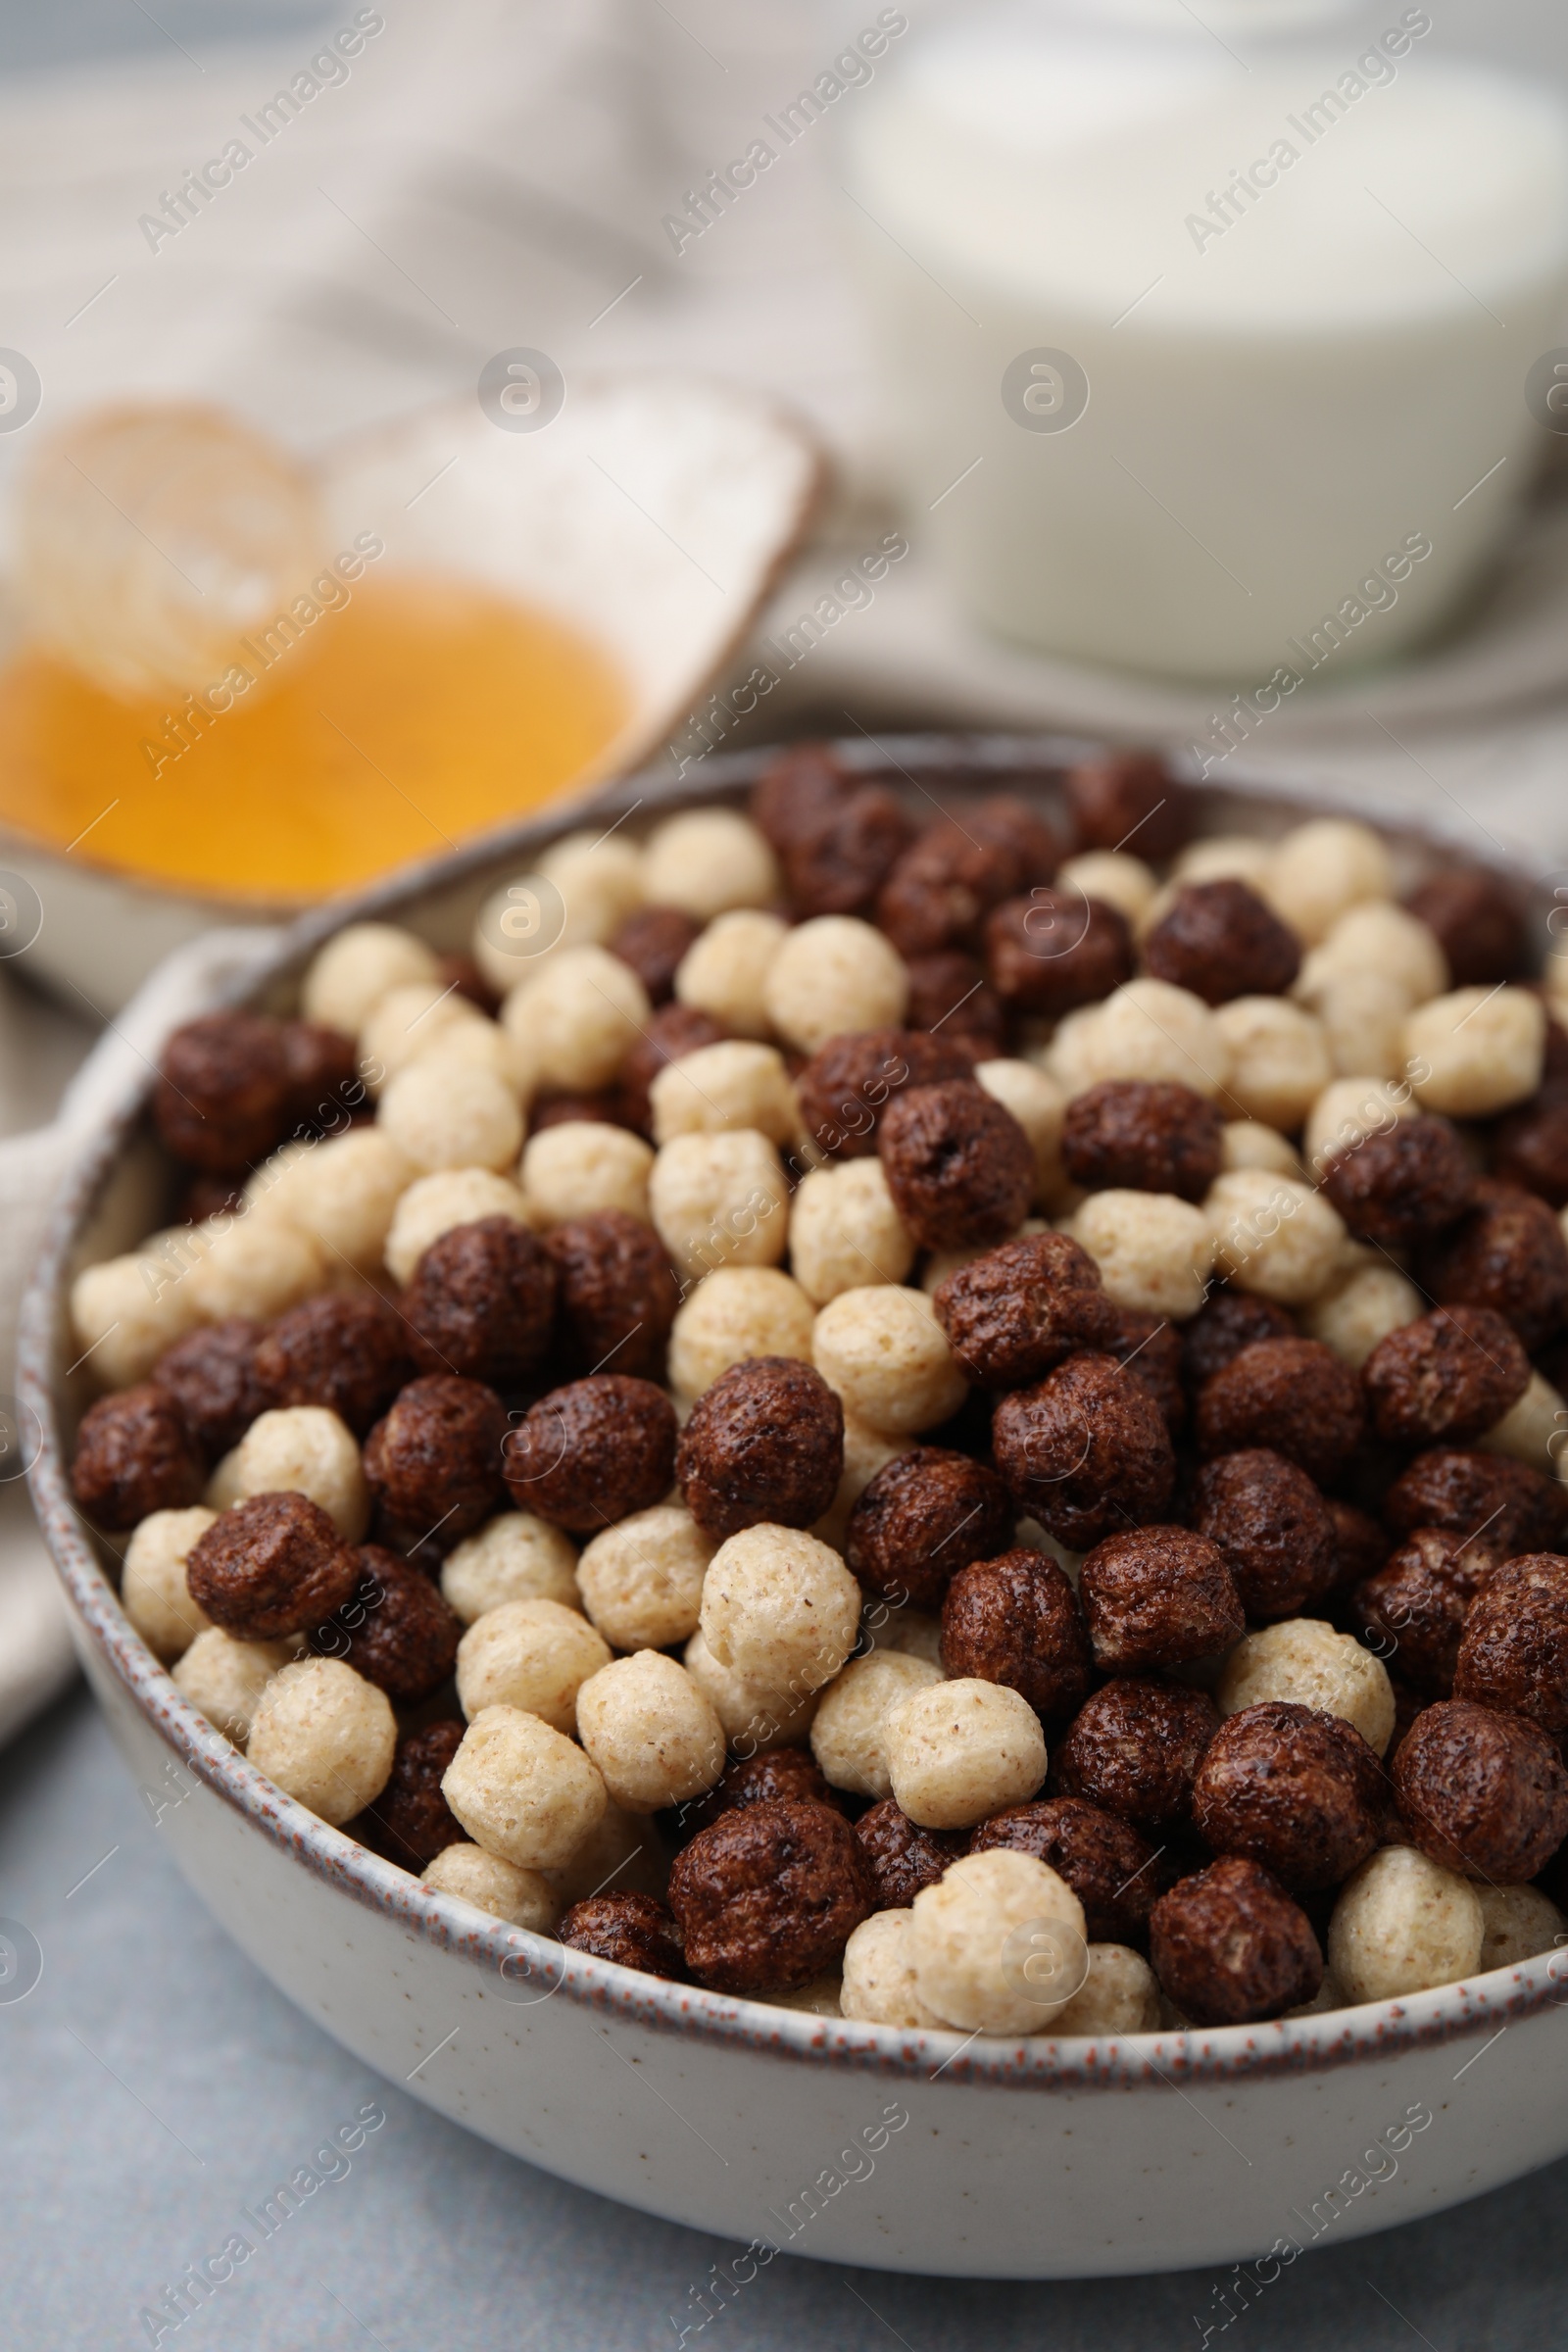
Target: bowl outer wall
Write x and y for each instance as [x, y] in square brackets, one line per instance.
[1017, 2160]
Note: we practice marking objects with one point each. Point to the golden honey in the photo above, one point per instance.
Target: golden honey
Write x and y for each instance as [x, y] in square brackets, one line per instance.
[410, 714]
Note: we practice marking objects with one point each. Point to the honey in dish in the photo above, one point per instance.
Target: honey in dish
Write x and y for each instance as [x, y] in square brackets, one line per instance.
[410, 714]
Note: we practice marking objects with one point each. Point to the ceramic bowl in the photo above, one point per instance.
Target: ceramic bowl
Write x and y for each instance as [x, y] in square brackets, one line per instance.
[778, 2128]
[653, 516]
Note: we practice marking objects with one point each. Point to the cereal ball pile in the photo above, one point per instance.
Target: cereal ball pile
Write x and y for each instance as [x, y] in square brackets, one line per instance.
[948, 1414]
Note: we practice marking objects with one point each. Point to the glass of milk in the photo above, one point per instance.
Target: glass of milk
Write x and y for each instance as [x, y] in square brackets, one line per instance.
[1206, 346]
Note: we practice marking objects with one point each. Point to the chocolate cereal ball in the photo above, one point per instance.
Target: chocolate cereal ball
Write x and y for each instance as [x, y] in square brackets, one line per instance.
[225, 1091]
[1478, 926]
[653, 939]
[1150, 1348]
[271, 1566]
[433, 1462]
[411, 1821]
[1144, 1135]
[836, 859]
[632, 1929]
[1515, 1648]
[1508, 1253]
[1444, 1378]
[1128, 800]
[1360, 1546]
[1014, 1314]
[846, 1084]
[1519, 1509]
[899, 1856]
[1112, 1871]
[481, 1302]
[615, 1294]
[1085, 1451]
[1057, 949]
[1134, 1748]
[1016, 1620]
[1157, 1596]
[394, 1628]
[674, 1030]
[1293, 1397]
[948, 879]
[348, 1353]
[1530, 1145]
[1220, 940]
[1227, 1322]
[1484, 1792]
[949, 991]
[759, 1780]
[1230, 1947]
[959, 1166]
[797, 790]
[135, 1454]
[211, 1374]
[1412, 1610]
[765, 1441]
[1401, 1184]
[1292, 1788]
[590, 1454]
[1271, 1527]
[768, 1898]
[926, 1514]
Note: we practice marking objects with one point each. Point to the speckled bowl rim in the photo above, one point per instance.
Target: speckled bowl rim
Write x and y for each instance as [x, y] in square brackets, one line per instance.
[1374, 2032]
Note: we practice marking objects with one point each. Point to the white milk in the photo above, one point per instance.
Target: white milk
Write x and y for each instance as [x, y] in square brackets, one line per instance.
[1290, 377]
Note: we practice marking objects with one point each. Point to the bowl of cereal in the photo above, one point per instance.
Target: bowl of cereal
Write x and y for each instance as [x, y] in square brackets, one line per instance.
[782, 1469]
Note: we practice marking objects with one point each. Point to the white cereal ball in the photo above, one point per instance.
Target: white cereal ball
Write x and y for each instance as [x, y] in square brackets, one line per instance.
[348, 978]
[866, 1450]
[1383, 941]
[407, 1023]
[1517, 1922]
[653, 1732]
[1346, 1113]
[580, 892]
[831, 975]
[736, 1082]
[1151, 1029]
[1476, 1050]
[847, 1730]
[821, 1998]
[641, 1581]
[153, 1592]
[1274, 1235]
[578, 1017]
[1358, 1312]
[1322, 869]
[1403, 1923]
[1114, 876]
[434, 1204]
[1039, 1103]
[512, 1557]
[733, 1313]
[780, 1607]
[909, 1631]
[756, 1716]
[305, 1449]
[962, 1749]
[533, 1654]
[451, 1117]
[1068, 1054]
[1225, 858]
[845, 1233]
[224, 1679]
[223, 1488]
[974, 1962]
[1119, 1995]
[1155, 1253]
[710, 862]
[579, 1166]
[1279, 1060]
[1308, 1662]
[719, 1200]
[257, 1265]
[524, 1899]
[126, 1311]
[1248, 1143]
[522, 1790]
[724, 971]
[1363, 1017]
[484, 1046]
[602, 878]
[886, 1354]
[325, 1736]
[344, 1194]
[1531, 1431]
[878, 1986]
